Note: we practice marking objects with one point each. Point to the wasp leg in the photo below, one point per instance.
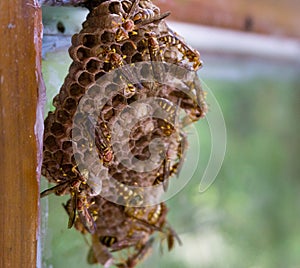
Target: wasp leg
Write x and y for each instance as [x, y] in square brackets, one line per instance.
[170, 235]
[98, 253]
[77, 223]
[155, 56]
[59, 189]
[136, 258]
[101, 141]
[142, 221]
[108, 240]
[181, 152]
[85, 216]
[170, 125]
[77, 205]
[70, 208]
[126, 243]
[166, 173]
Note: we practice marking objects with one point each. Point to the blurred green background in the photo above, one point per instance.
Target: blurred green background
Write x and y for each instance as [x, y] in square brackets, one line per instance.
[250, 216]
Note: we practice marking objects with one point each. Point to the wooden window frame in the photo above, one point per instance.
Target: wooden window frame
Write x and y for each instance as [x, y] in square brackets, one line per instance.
[21, 121]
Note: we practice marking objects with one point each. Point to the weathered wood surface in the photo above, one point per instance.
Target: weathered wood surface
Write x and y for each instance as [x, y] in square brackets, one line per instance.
[276, 17]
[279, 17]
[20, 29]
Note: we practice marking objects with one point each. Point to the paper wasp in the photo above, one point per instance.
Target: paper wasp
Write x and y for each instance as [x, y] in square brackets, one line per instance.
[168, 170]
[133, 20]
[139, 256]
[108, 240]
[99, 253]
[128, 25]
[172, 39]
[101, 141]
[155, 219]
[115, 60]
[170, 126]
[78, 204]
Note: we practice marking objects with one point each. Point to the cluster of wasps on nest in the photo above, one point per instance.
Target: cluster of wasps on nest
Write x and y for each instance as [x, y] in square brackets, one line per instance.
[118, 33]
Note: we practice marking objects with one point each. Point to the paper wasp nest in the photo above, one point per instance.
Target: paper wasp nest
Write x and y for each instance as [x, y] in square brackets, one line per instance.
[106, 120]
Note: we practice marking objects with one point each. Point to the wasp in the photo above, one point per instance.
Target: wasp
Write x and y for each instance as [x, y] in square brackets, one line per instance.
[120, 232]
[78, 224]
[139, 256]
[84, 219]
[171, 236]
[164, 177]
[195, 108]
[131, 198]
[123, 31]
[172, 39]
[129, 90]
[181, 153]
[154, 49]
[78, 204]
[169, 126]
[119, 228]
[144, 14]
[200, 107]
[172, 112]
[133, 20]
[103, 146]
[153, 46]
[99, 253]
[152, 217]
[147, 16]
[155, 214]
[168, 170]
[127, 25]
[132, 82]
[108, 240]
[101, 141]
[155, 218]
[115, 59]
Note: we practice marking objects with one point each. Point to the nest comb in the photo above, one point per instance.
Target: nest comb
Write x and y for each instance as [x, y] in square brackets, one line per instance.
[117, 34]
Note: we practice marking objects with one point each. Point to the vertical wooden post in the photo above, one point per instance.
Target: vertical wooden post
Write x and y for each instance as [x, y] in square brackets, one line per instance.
[20, 35]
